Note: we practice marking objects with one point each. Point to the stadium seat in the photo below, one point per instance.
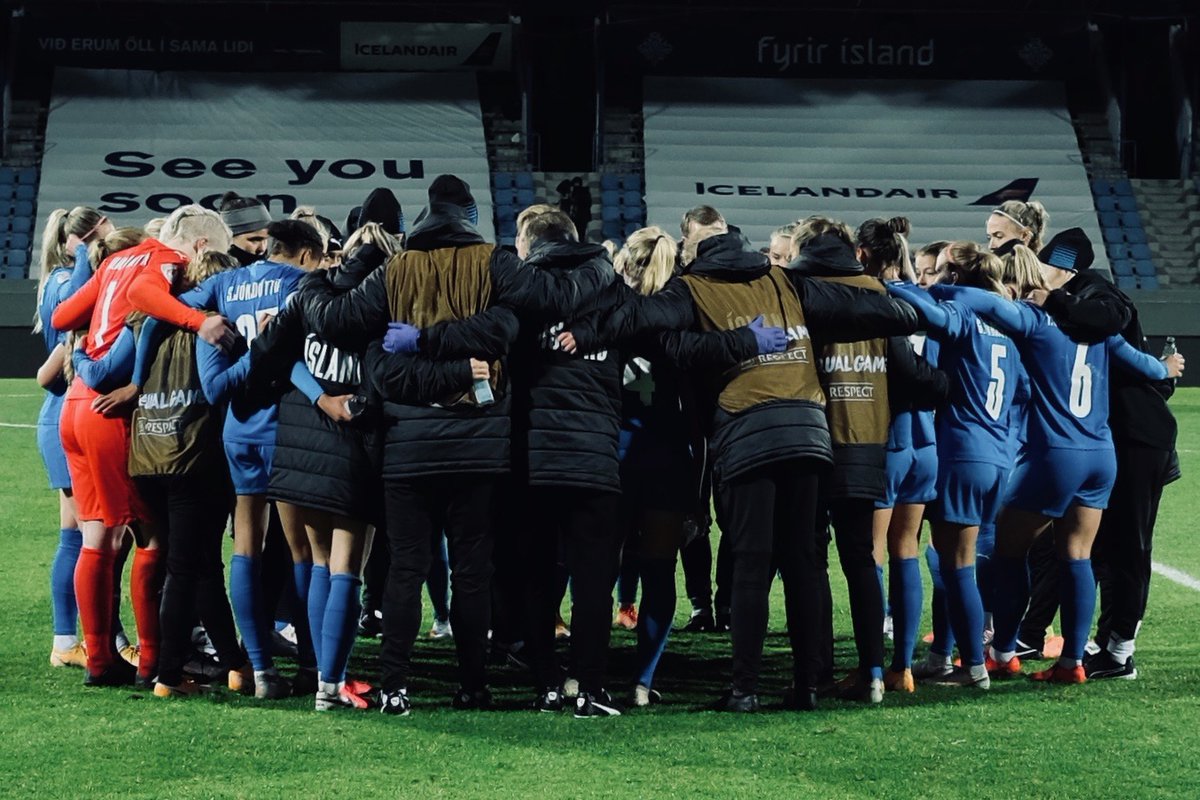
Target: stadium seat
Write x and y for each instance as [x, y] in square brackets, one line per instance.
[632, 197]
[1121, 266]
[504, 196]
[505, 211]
[1148, 282]
[1126, 282]
[17, 258]
[22, 224]
[630, 227]
[610, 213]
[1113, 234]
[1136, 235]
[1117, 250]
[508, 227]
[525, 197]
[25, 191]
[633, 214]
[18, 241]
[1126, 203]
[631, 183]
[1102, 187]
[610, 181]
[1106, 203]
[1131, 219]
[502, 180]
[1123, 188]
[1143, 268]
[611, 229]
[1110, 219]
[610, 197]
[27, 176]
[6, 210]
[1141, 251]
[524, 180]
[12, 273]
[23, 208]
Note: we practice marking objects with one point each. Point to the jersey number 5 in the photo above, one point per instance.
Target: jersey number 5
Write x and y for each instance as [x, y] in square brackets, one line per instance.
[995, 390]
[1081, 383]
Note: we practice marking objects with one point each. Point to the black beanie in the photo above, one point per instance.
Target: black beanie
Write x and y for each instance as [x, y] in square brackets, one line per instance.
[381, 206]
[452, 190]
[1069, 249]
[827, 251]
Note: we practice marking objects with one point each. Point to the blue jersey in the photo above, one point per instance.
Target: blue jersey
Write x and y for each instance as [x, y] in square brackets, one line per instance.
[923, 421]
[979, 359]
[243, 296]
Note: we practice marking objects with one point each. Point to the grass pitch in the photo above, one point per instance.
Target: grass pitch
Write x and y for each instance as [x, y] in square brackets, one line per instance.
[1128, 739]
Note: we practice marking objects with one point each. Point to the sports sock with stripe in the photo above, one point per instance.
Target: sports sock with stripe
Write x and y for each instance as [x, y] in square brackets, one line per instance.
[655, 614]
[943, 633]
[62, 587]
[985, 548]
[244, 586]
[318, 598]
[146, 594]
[1077, 598]
[341, 625]
[93, 592]
[904, 585]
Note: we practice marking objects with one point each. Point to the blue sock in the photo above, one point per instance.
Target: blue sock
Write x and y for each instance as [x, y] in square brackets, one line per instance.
[985, 548]
[655, 615]
[244, 586]
[1077, 594]
[943, 632]
[1010, 598]
[318, 598]
[966, 612]
[887, 608]
[62, 581]
[906, 590]
[340, 626]
[306, 656]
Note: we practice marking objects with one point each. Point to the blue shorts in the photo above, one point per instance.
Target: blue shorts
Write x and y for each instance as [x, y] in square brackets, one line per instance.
[53, 456]
[1053, 480]
[968, 492]
[249, 466]
[911, 477]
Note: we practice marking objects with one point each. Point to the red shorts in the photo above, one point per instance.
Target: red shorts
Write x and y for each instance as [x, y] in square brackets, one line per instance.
[97, 449]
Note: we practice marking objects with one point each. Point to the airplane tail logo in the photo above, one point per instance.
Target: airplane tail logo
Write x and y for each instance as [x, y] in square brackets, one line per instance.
[1020, 189]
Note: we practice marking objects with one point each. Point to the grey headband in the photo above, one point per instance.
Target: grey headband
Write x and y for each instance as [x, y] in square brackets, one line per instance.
[244, 220]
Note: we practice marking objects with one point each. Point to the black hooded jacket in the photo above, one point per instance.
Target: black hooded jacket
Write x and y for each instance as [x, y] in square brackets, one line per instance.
[768, 431]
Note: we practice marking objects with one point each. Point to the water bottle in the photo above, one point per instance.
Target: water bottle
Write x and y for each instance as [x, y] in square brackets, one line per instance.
[483, 392]
[1169, 349]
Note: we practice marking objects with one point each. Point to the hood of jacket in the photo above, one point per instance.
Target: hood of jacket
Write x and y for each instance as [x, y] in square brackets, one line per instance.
[727, 257]
[827, 255]
[442, 225]
[564, 253]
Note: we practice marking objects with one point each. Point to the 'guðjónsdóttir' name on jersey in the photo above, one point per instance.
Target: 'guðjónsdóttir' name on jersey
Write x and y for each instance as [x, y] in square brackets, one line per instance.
[241, 292]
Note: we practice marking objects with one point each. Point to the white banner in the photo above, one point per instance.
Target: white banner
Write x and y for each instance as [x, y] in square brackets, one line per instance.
[942, 153]
[441, 46]
[138, 145]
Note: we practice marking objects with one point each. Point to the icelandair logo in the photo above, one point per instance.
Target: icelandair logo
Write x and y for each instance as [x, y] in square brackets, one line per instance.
[1020, 189]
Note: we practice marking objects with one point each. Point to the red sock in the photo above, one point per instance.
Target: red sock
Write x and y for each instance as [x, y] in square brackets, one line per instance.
[93, 593]
[146, 592]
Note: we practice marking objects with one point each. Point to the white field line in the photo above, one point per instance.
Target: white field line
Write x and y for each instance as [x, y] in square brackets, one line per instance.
[20, 395]
[16, 425]
[1175, 575]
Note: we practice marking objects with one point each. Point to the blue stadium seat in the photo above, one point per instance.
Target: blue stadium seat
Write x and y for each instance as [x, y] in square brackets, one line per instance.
[1123, 187]
[1106, 203]
[8, 176]
[610, 180]
[504, 196]
[632, 198]
[633, 214]
[506, 211]
[508, 227]
[502, 180]
[1110, 219]
[524, 180]
[630, 227]
[1113, 234]
[525, 197]
[1126, 203]
[1117, 250]
[12, 273]
[23, 208]
[1148, 282]
[610, 213]
[610, 197]
[1141, 251]
[22, 224]
[25, 191]
[27, 176]
[1126, 282]
[6, 210]
[1102, 187]
[631, 183]
[1143, 267]
[18, 258]
[1136, 235]
[1121, 266]
[18, 241]
[611, 229]
[1131, 219]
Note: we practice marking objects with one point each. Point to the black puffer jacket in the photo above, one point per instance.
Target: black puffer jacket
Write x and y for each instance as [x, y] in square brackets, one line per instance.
[769, 431]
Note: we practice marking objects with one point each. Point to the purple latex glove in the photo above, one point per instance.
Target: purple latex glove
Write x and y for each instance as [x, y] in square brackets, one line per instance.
[770, 340]
[401, 338]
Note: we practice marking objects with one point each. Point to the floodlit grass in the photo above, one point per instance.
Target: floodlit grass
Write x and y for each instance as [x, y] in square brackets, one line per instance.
[1125, 739]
